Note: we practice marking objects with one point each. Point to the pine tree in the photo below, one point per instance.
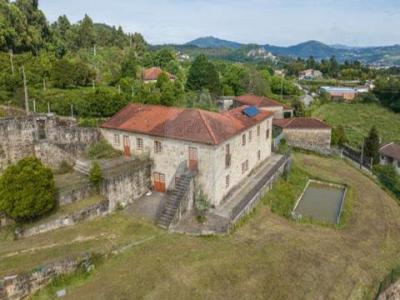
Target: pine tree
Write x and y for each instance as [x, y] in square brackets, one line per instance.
[371, 147]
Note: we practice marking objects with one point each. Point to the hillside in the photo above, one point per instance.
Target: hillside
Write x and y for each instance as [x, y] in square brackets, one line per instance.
[357, 119]
[212, 42]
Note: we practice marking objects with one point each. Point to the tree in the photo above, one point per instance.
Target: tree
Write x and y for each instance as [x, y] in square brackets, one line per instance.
[129, 66]
[299, 109]
[203, 75]
[27, 190]
[371, 147]
[86, 35]
[339, 137]
[163, 57]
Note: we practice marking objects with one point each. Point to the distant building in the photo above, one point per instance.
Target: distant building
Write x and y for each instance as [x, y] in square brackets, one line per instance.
[279, 110]
[340, 93]
[390, 155]
[261, 53]
[305, 133]
[151, 75]
[182, 57]
[310, 74]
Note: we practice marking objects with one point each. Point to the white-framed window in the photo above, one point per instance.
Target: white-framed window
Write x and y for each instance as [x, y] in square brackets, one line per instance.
[157, 147]
[116, 139]
[244, 140]
[139, 143]
[227, 181]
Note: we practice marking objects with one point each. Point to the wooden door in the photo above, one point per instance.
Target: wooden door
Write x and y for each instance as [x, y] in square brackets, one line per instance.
[159, 182]
[193, 159]
[127, 147]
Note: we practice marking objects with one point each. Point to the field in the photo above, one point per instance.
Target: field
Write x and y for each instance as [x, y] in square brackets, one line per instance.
[357, 119]
[267, 256]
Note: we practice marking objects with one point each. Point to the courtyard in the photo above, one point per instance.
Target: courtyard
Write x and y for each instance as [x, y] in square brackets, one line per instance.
[267, 256]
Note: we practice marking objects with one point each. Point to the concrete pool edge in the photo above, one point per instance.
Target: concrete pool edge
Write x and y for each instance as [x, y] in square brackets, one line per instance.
[343, 187]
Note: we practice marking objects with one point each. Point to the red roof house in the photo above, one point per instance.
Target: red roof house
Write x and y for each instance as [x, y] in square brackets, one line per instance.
[152, 74]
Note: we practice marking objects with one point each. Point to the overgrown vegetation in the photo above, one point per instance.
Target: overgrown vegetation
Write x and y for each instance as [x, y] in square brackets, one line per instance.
[27, 190]
[102, 150]
[389, 178]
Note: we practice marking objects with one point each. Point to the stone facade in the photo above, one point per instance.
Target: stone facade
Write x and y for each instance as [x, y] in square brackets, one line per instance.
[214, 177]
[50, 138]
[309, 139]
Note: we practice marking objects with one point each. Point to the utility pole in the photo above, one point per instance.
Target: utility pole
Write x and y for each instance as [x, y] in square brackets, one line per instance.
[12, 62]
[48, 108]
[119, 89]
[34, 105]
[94, 50]
[44, 83]
[25, 91]
[72, 110]
[93, 84]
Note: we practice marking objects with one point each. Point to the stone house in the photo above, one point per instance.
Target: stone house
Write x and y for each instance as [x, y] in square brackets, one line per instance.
[390, 155]
[279, 110]
[305, 133]
[222, 148]
[151, 75]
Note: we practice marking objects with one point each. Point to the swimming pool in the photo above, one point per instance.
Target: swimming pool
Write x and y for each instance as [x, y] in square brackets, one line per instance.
[321, 201]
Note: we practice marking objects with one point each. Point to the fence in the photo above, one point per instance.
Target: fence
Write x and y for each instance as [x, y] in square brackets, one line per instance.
[258, 191]
[356, 156]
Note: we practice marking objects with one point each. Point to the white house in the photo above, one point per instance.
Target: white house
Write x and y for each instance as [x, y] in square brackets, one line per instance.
[390, 155]
[310, 74]
[223, 147]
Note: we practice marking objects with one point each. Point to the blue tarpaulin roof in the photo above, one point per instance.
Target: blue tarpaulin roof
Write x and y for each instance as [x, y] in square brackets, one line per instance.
[251, 111]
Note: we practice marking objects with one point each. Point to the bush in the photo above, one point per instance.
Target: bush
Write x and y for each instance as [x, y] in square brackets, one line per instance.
[95, 175]
[102, 150]
[389, 178]
[27, 190]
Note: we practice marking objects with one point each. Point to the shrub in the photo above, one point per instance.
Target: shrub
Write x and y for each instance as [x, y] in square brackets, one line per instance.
[389, 178]
[102, 150]
[95, 175]
[27, 190]
[202, 206]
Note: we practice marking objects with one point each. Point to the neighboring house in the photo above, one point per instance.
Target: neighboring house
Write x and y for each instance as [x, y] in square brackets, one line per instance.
[305, 133]
[279, 110]
[340, 93]
[223, 147]
[310, 74]
[225, 103]
[151, 75]
[390, 155]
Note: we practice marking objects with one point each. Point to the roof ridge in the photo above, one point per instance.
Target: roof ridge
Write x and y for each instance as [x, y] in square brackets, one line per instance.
[207, 126]
[388, 144]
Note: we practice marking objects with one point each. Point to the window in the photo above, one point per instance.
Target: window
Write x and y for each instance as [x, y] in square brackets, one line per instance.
[267, 134]
[250, 136]
[258, 130]
[227, 181]
[139, 143]
[157, 147]
[245, 166]
[243, 140]
[116, 139]
[227, 156]
[259, 154]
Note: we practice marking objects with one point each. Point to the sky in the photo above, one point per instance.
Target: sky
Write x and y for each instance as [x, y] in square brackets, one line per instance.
[275, 22]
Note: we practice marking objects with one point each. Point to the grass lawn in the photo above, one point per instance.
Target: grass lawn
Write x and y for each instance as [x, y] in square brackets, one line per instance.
[357, 119]
[268, 257]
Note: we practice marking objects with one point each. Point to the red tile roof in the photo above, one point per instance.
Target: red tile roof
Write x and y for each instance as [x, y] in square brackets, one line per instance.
[259, 101]
[391, 150]
[153, 73]
[301, 123]
[183, 124]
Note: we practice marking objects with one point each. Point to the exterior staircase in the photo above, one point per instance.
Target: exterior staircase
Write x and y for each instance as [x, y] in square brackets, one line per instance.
[174, 200]
[82, 167]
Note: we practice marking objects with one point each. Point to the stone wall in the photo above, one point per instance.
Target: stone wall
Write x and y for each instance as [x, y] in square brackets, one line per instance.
[50, 138]
[126, 183]
[392, 293]
[83, 191]
[87, 213]
[22, 286]
[309, 139]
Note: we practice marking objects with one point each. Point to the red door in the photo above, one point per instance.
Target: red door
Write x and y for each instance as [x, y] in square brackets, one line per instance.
[127, 147]
[159, 182]
[193, 159]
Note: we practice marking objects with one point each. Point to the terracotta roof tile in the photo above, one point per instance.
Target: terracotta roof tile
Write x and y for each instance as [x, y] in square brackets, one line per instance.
[259, 101]
[153, 73]
[183, 124]
[301, 123]
[391, 150]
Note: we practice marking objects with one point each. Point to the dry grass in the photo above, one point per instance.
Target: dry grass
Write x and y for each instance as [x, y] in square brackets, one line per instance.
[269, 257]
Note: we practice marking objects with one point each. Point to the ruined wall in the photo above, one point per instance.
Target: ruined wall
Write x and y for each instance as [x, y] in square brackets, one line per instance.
[309, 139]
[24, 285]
[49, 138]
[127, 185]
